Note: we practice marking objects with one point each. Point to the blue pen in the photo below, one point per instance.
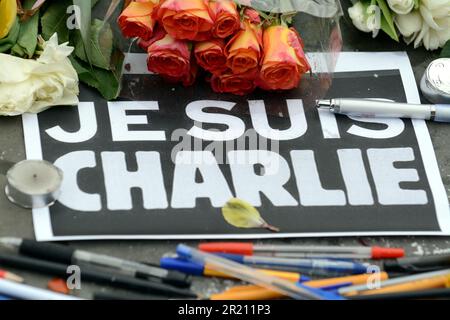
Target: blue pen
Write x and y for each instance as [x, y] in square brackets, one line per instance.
[322, 267]
[197, 269]
[336, 287]
[326, 295]
[244, 273]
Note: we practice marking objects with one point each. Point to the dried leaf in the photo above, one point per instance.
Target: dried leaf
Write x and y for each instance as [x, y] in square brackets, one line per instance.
[241, 214]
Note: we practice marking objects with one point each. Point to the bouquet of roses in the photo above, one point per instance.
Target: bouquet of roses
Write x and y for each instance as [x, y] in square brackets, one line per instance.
[422, 22]
[239, 47]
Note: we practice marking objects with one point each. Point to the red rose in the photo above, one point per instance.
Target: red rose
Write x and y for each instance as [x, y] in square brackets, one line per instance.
[136, 20]
[185, 19]
[169, 57]
[211, 56]
[284, 61]
[244, 49]
[226, 18]
[238, 84]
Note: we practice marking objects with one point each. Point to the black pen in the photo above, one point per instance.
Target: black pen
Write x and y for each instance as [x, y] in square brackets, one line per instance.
[92, 274]
[418, 264]
[65, 254]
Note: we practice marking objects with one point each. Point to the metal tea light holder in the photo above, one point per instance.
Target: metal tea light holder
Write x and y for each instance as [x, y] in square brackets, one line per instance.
[32, 184]
[435, 83]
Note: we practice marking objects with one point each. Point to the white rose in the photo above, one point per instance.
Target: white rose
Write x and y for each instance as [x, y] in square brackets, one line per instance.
[409, 25]
[365, 19]
[401, 6]
[430, 25]
[436, 24]
[35, 85]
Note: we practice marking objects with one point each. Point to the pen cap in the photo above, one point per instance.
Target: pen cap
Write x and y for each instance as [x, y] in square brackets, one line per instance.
[228, 247]
[442, 113]
[182, 266]
[387, 253]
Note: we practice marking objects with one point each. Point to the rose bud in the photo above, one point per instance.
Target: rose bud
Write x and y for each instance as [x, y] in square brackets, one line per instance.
[211, 56]
[136, 20]
[169, 57]
[185, 19]
[226, 18]
[244, 49]
[284, 61]
[238, 84]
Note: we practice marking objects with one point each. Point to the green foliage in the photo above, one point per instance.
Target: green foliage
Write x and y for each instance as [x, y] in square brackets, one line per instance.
[387, 21]
[96, 60]
[27, 40]
[7, 43]
[98, 63]
[445, 53]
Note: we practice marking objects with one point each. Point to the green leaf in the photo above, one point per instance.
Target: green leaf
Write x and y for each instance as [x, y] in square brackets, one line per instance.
[85, 25]
[445, 53]
[27, 41]
[54, 20]
[241, 214]
[7, 43]
[101, 45]
[416, 4]
[387, 22]
[106, 82]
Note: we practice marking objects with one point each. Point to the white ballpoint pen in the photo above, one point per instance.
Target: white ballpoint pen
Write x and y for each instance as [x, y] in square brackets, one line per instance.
[372, 108]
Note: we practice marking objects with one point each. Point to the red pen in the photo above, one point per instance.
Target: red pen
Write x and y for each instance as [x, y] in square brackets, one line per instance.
[10, 276]
[296, 251]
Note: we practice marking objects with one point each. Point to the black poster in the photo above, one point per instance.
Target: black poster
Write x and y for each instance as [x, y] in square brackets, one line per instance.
[163, 165]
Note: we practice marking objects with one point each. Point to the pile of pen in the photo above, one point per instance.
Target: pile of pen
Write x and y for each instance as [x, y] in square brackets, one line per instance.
[266, 272]
[145, 281]
[315, 272]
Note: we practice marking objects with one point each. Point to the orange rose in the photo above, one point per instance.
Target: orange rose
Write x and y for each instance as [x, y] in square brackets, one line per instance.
[244, 49]
[187, 79]
[136, 20]
[186, 19]
[238, 84]
[284, 61]
[169, 57]
[226, 18]
[211, 56]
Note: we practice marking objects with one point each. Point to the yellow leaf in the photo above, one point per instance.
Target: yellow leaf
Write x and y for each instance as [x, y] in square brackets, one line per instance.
[8, 14]
[241, 214]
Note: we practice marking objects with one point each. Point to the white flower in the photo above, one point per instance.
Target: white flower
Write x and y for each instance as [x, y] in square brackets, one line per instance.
[365, 18]
[401, 6]
[430, 25]
[436, 24]
[35, 85]
[409, 25]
